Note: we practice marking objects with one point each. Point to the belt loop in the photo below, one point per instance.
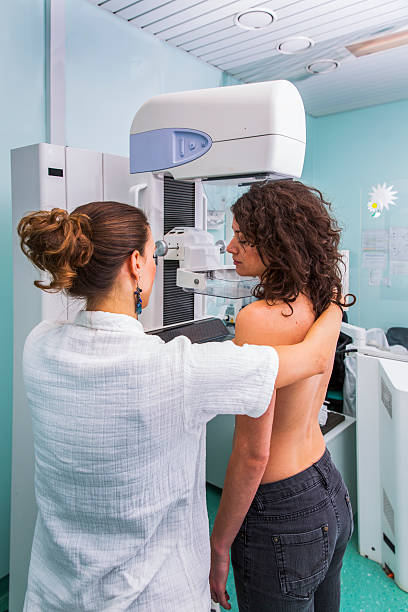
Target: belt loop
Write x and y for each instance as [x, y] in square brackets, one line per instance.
[322, 474]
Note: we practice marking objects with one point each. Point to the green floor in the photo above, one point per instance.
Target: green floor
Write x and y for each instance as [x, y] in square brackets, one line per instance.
[4, 594]
[365, 587]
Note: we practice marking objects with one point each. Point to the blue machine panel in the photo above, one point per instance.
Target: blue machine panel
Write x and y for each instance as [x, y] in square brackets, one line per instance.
[165, 148]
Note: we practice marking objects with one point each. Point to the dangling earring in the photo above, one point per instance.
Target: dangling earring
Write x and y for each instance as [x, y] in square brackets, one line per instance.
[138, 301]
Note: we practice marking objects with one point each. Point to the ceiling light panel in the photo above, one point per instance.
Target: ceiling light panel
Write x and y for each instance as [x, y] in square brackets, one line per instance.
[310, 23]
[181, 16]
[233, 57]
[115, 5]
[251, 55]
[381, 43]
[290, 66]
[207, 17]
[221, 36]
[369, 81]
[293, 19]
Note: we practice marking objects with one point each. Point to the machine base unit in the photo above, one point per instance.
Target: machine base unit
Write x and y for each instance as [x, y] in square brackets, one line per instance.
[368, 457]
[382, 461]
[340, 441]
[393, 389]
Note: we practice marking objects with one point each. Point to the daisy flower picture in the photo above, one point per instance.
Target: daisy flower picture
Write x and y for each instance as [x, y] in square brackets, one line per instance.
[381, 198]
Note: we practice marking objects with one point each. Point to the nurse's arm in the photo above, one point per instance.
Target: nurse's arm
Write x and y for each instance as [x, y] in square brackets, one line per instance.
[298, 361]
[315, 354]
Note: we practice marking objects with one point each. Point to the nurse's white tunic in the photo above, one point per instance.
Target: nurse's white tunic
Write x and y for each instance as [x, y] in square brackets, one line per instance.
[119, 431]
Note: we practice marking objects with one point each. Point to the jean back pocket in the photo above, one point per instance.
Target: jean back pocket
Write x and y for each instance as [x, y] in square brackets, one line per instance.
[302, 560]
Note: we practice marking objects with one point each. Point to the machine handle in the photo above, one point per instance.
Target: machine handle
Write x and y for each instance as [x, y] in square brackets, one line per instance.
[161, 250]
[205, 206]
[135, 190]
[223, 246]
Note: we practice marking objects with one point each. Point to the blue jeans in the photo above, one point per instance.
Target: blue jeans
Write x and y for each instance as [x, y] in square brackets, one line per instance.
[288, 554]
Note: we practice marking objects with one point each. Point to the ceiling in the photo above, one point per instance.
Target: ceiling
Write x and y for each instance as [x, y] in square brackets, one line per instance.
[206, 30]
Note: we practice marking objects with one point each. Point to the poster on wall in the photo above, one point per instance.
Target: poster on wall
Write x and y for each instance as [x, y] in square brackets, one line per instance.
[384, 242]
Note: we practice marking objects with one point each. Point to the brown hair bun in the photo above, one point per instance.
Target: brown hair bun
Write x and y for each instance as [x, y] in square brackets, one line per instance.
[56, 242]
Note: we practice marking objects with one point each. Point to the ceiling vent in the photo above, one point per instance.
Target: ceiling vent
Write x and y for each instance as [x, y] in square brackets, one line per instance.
[295, 44]
[255, 19]
[322, 66]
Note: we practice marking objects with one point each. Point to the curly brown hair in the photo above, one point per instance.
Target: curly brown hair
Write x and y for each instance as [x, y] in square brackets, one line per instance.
[297, 239]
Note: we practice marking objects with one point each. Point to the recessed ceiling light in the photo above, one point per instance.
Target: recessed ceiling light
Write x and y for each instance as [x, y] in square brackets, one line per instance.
[295, 44]
[322, 66]
[255, 19]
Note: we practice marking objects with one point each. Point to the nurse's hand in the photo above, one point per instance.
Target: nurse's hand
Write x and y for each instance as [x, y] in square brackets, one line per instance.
[220, 562]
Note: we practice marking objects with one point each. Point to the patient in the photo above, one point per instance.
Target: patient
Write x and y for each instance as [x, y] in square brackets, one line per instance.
[285, 509]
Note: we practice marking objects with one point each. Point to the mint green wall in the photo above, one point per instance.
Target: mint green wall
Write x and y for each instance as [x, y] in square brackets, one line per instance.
[348, 153]
[22, 111]
[112, 68]
[308, 166]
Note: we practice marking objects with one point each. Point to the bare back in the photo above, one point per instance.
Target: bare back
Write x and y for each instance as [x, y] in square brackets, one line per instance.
[296, 440]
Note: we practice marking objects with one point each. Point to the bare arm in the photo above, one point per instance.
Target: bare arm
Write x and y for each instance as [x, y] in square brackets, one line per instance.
[315, 354]
[297, 361]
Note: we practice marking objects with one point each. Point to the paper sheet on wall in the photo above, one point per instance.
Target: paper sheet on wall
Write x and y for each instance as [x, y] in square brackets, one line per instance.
[399, 268]
[375, 260]
[375, 240]
[375, 277]
[399, 244]
[375, 256]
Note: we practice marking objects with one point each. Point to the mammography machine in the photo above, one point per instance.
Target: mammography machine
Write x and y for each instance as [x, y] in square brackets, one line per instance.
[178, 141]
[382, 465]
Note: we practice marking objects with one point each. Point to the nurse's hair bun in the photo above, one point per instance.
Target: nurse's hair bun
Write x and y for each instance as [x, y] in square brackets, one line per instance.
[58, 243]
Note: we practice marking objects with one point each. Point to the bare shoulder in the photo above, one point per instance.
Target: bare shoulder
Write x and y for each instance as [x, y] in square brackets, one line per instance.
[255, 321]
[261, 323]
[257, 313]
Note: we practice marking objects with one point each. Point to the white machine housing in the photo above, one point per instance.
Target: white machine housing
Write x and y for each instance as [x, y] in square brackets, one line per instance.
[247, 131]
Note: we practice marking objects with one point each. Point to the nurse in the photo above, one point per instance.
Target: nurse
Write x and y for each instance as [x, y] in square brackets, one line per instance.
[119, 421]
